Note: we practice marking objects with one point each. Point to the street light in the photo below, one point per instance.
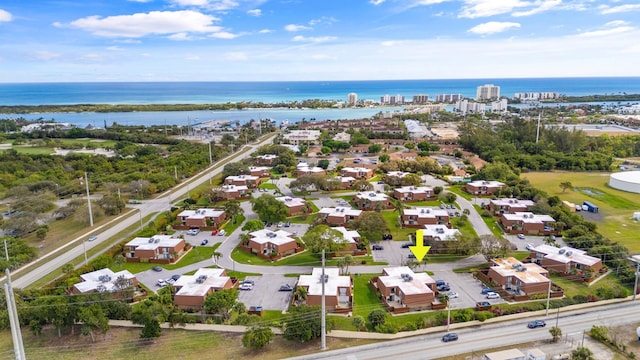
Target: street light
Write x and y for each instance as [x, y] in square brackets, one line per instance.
[548, 296]
[636, 260]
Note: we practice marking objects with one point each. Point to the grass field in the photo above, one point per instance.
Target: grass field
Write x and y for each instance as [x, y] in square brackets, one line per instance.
[616, 207]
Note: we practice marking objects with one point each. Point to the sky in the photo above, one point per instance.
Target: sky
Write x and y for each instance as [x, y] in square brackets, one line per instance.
[289, 40]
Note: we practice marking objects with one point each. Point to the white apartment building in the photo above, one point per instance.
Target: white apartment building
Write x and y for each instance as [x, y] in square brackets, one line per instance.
[352, 99]
[465, 106]
[488, 92]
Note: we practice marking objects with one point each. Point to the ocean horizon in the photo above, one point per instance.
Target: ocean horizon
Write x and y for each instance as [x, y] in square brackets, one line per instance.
[270, 92]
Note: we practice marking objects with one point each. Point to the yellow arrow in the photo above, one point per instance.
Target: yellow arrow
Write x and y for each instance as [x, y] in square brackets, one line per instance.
[419, 250]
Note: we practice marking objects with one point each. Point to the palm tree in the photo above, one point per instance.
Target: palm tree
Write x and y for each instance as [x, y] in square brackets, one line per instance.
[216, 256]
[398, 206]
[556, 333]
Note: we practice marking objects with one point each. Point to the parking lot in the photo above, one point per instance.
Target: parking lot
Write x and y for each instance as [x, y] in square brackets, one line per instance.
[393, 253]
[265, 292]
[468, 288]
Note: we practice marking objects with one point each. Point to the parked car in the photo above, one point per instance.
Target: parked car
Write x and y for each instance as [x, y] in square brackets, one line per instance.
[452, 295]
[406, 245]
[214, 232]
[529, 247]
[204, 242]
[450, 337]
[156, 268]
[444, 287]
[493, 295]
[221, 232]
[377, 247]
[170, 281]
[287, 224]
[440, 282]
[245, 286]
[161, 283]
[280, 224]
[92, 238]
[521, 236]
[536, 323]
[248, 282]
[193, 231]
[175, 277]
[411, 256]
[486, 290]
[286, 287]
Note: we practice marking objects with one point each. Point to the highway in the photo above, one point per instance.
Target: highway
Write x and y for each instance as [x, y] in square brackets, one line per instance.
[484, 337]
[55, 259]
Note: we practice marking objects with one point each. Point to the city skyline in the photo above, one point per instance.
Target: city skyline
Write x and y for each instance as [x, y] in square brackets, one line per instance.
[267, 40]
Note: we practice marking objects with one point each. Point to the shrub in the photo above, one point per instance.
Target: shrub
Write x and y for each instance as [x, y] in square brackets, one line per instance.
[387, 328]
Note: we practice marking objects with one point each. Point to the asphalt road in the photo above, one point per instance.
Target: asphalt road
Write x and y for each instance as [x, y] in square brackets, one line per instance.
[483, 337]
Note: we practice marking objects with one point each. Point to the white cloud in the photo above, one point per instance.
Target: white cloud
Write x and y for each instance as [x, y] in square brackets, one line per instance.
[618, 9]
[5, 16]
[318, 39]
[607, 32]
[236, 56]
[493, 27]
[115, 48]
[296, 27]
[182, 36]
[484, 8]
[43, 55]
[255, 12]
[190, 2]
[224, 35]
[376, 2]
[617, 23]
[265, 31]
[143, 24]
[140, 1]
[544, 6]
[323, 20]
[388, 43]
[216, 5]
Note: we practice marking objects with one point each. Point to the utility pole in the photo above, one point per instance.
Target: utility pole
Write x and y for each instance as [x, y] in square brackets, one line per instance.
[210, 156]
[548, 298]
[323, 326]
[635, 287]
[86, 180]
[12, 312]
[538, 128]
[448, 315]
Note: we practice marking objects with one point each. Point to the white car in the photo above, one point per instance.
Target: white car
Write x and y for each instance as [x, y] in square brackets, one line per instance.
[246, 286]
[452, 295]
[161, 283]
[221, 232]
[529, 247]
[493, 295]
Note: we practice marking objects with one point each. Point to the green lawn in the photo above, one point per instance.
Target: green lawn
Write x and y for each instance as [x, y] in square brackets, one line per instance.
[457, 189]
[268, 186]
[230, 226]
[303, 219]
[304, 258]
[399, 233]
[365, 299]
[492, 223]
[424, 203]
[616, 207]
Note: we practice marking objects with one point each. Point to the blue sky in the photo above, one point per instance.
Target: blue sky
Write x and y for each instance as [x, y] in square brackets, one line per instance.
[270, 40]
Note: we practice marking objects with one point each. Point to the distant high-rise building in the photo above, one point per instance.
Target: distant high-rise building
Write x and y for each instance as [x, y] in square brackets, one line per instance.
[420, 99]
[392, 100]
[352, 99]
[499, 106]
[535, 96]
[488, 92]
[465, 106]
[448, 98]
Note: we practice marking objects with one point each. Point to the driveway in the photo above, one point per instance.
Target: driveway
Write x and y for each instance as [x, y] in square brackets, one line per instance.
[265, 292]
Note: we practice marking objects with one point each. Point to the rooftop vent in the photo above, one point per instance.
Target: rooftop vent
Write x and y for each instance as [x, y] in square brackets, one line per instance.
[201, 279]
[372, 194]
[561, 251]
[150, 240]
[568, 253]
[104, 278]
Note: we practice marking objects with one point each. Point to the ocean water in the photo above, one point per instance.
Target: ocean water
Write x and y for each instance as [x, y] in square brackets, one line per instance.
[270, 92]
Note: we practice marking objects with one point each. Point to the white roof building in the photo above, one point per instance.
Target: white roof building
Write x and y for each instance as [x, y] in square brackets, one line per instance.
[511, 202]
[406, 280]
[333, 281]
[234, 188]
[200, 283]
[154, 242]
[267, 157]
[425, 212]
[241, 178]
[440, 232]
[415, 129]
[372, 196]
[201, 213]
[297, 136]
[304, 167]
[291, 202]
[102, 280]
[566, 254]
[265, 236]
[340, 211]
[414, 190]
[529, 217]
[350, 236]
[343, 136]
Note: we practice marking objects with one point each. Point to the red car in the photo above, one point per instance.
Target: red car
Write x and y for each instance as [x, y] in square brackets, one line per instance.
[214, 232]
